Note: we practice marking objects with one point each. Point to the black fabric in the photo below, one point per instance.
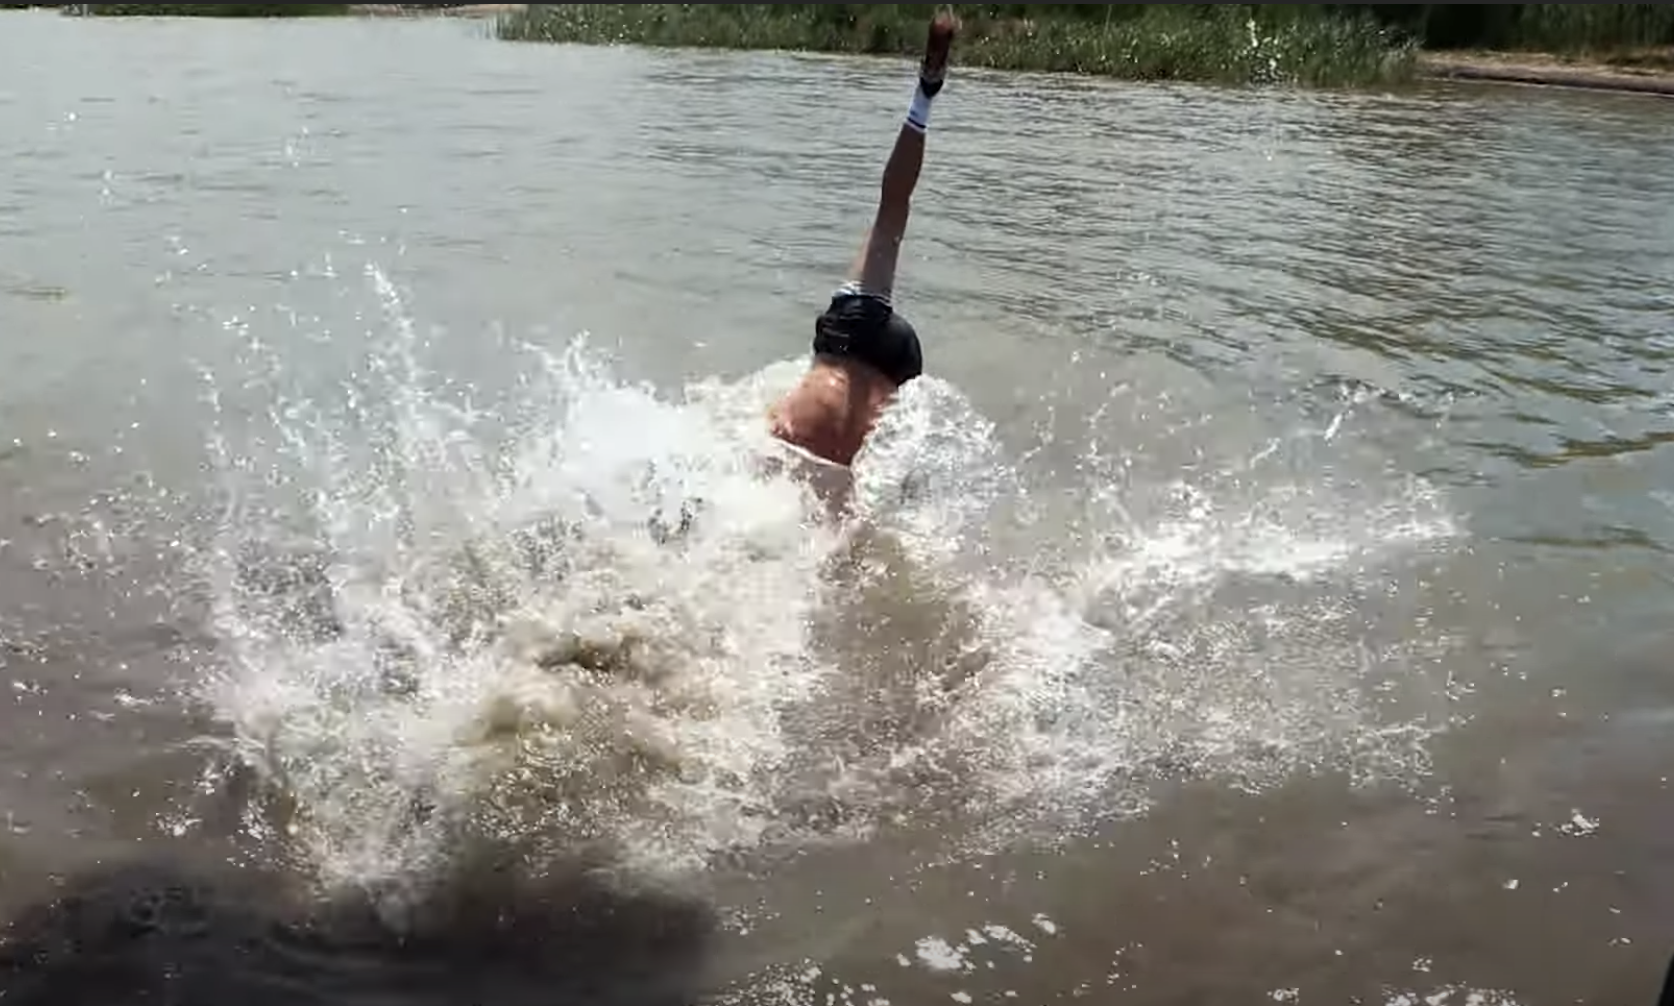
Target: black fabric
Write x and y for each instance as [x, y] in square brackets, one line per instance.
[864, 327]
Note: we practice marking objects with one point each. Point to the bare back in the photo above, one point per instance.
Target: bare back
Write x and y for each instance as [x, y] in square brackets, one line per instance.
[833, 409]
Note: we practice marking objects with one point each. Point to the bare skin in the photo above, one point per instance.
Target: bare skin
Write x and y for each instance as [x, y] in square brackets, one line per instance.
[834, 407]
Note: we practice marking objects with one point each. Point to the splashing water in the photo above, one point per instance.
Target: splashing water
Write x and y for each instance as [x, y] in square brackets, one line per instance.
[602, 624]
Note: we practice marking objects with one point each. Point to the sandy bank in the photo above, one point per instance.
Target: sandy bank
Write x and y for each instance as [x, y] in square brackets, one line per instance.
[1653, 73]
[468, 10]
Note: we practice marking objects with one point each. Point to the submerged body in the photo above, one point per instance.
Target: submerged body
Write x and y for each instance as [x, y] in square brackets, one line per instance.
[831, 483]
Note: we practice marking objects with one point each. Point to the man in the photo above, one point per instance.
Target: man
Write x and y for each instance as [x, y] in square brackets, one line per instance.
[863, 351]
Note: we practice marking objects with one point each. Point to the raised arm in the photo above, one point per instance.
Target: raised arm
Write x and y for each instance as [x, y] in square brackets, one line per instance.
[880, 252]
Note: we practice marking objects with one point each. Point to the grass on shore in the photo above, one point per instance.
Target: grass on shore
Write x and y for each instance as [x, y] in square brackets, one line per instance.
[248, 10]
[1223, 44]
[216, 10]
[1600, 31]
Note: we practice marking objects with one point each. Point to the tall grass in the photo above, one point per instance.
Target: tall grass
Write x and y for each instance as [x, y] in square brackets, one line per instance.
[214, 9]
[1594, 28]
[1559, 27]
[1234, 43]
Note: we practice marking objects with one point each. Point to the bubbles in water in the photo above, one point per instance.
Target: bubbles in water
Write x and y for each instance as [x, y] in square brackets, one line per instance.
[599, 621]
[1451, 995]
[528, 643]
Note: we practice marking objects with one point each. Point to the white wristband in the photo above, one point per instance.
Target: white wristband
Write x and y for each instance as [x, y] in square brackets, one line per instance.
[918, 115]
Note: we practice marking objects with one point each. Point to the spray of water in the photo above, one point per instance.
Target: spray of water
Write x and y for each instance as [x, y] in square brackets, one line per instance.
[597, 621]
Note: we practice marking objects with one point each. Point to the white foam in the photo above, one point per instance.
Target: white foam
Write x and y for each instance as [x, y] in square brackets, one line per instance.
[1452, 995]
[939, 955]
[526, 645]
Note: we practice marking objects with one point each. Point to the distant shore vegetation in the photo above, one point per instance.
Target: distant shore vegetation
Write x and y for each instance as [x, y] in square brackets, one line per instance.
[1312, 44]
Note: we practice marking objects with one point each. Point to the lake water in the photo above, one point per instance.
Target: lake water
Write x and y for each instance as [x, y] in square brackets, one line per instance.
[1264, 599]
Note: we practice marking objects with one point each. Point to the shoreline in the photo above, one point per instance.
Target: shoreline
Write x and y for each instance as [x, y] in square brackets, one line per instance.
[1328, 53]
[1152, 44]
[478, 10]
[1547, 70]
[1647, 71]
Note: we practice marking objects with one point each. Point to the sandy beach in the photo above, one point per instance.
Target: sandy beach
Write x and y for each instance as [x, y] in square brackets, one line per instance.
[469, 10]
[1650, 73]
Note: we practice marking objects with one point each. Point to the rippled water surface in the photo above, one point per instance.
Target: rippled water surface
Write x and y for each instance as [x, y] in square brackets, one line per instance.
[1262, 601]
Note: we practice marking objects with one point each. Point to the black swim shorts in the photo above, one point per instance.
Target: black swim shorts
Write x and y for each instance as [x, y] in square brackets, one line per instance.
[864, 326]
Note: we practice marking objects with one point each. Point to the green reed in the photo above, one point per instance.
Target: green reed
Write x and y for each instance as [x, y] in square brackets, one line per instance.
[1232, 43]
[215, 10]
[1594, 28]
[1563, 28]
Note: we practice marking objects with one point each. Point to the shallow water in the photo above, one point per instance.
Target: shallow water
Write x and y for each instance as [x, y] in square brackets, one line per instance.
[1260, 602]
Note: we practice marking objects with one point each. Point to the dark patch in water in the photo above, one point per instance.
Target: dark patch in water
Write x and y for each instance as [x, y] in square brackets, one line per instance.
[161, 933]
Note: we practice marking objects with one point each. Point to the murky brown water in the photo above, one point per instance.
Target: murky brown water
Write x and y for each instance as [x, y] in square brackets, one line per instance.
[1320, 603]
